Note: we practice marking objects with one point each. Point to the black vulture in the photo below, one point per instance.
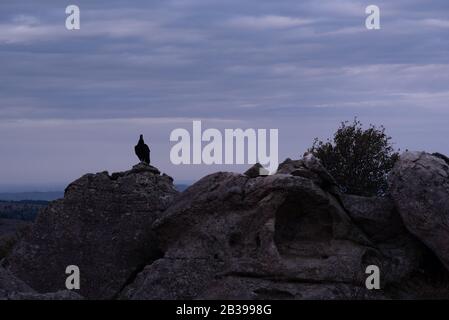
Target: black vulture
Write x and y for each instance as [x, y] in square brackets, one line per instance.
[142, 151]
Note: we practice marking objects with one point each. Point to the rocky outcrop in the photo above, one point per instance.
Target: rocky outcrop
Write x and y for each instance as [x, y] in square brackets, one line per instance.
[419, 185]
[103, 225]
[10, 231]
[231, 236]
[292, 235]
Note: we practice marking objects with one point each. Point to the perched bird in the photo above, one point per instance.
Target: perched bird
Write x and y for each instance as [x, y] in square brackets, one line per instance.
[142, 151]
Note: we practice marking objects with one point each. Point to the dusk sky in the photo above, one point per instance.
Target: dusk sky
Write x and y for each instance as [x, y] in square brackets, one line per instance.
[74, 102]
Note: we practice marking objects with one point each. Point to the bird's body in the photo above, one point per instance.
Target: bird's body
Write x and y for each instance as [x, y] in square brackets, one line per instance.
[142, 151]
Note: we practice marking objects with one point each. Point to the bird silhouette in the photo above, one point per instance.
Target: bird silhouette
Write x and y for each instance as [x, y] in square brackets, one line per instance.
[142, 151]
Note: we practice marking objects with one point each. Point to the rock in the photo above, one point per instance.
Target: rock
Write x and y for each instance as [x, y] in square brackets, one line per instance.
[103, 226]
[376, 216]
[230, 236]
[60, 295]
[144, 167]
[290, 166]
[379, 219]
[314, 164]
[9, 283]
[302, 172]
[441, 156]
[240, 288]
[12, 288]
[254, 171]
[419, 185]
[10, 231]
[310, 167]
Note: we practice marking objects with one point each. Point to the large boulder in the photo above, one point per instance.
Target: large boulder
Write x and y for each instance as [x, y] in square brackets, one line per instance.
[103, 225]
[310, 167]
[232, 236]
[379, 219]
[376, 216]
[419, 185]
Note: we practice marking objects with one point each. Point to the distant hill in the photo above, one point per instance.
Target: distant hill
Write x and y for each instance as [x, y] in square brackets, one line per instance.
[36, 196]
[181, 187]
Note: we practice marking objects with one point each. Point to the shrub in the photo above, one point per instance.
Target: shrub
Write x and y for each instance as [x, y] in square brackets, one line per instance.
[358, 159]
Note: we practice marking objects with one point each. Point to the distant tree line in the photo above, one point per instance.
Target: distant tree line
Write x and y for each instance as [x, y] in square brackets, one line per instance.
[22, 210]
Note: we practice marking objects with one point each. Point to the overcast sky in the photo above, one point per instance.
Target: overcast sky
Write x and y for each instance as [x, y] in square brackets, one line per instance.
[73, 102]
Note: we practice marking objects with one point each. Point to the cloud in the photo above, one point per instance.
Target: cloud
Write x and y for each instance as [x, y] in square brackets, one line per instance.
[338, 8]
[23, 31]
[142, 25]
[439, 23]
[267, 22]
[23, 19]
[144, 121]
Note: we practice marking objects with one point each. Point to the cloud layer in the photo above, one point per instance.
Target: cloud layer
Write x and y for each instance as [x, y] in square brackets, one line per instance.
[300, 66]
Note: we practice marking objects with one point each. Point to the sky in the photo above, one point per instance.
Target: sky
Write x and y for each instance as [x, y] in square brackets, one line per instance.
[74, 102]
